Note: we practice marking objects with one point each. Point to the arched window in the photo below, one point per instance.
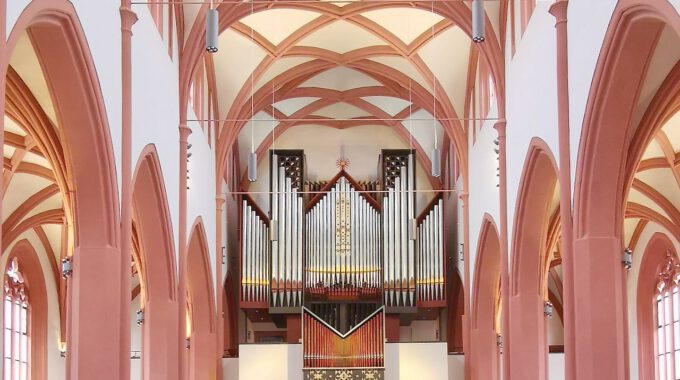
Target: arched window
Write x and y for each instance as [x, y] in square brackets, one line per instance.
[667, 316]
[16, 317]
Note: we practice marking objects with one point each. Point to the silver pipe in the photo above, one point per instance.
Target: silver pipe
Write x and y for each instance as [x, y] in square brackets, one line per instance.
[282, 236]
[289, 239]
[403, 222]
[256, 257]
[333, 229]
[294, 243]
[426, 258]
[440, 254]
[298, 280]
[275, 218]
[410, 199]
[391, 240]
[244, 247]
[397, 238]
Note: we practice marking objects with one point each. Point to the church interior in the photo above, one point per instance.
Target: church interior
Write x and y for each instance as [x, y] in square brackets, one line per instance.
[340, 189]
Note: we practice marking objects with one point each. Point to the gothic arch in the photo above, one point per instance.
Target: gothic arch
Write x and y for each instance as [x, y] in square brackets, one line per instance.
[650, 266]
[96, 296]
[201, 305]
[601, 184]
[34, 278]
[156, 253]
[527, 346]
[484, 351]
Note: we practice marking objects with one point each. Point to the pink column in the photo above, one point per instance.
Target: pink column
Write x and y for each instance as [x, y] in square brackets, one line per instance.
[503, 237]
[600, 318]
[559, 10]
[219, 327]
[127, 20]
[464, 196]
[183, 366]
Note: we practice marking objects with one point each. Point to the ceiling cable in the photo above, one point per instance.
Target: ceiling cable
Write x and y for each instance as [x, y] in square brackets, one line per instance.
[252, 158]
[312, 120]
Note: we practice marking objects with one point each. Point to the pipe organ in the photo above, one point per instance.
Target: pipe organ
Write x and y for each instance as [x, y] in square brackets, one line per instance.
[343, 256]
[342, 243]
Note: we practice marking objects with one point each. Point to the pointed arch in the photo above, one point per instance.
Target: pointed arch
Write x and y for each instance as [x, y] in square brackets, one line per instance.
[528, 341]
[96, 296]
[157, 268]
[34, 278]
[201, 306]
[484, 362]
[601, 185]
[650, 266]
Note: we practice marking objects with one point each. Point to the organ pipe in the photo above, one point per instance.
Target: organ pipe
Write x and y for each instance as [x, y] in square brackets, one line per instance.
[361, 347]
[341, 247]
[255, 278]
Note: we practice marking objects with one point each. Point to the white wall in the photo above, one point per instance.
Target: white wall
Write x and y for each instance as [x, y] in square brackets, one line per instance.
[270, 361]
[409, 361]
[230, 368]
[456, 367]
[556, 366]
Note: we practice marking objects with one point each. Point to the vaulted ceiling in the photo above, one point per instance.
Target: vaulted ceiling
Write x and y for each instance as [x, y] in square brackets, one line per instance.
[342, 65]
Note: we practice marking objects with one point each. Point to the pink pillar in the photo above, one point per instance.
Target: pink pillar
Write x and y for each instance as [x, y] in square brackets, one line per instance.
[127, 20]
[600, 320]
[184, 133]
[559, 10]
[464, 196]
[503, 237]
[219, 327]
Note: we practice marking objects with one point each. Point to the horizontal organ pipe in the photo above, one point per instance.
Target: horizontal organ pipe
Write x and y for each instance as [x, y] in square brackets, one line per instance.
[254, 255]
[342, 252]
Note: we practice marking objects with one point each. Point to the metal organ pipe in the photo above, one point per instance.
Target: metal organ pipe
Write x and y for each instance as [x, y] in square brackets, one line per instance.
[254, 255]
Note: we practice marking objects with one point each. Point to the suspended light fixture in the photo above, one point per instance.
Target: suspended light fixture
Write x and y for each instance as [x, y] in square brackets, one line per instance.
[478, 32]
[436, 156]
[211, 29]
[252, 158]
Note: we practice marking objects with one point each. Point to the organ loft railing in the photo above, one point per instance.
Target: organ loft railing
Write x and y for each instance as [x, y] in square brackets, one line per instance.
[343, 256]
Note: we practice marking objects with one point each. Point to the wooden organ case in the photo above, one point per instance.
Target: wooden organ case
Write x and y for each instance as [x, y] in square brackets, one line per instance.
[343, 257]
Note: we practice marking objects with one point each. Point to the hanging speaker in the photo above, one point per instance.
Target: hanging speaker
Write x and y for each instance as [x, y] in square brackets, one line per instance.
[478, 32]
[252, 167]
[436, 163]
[211, 30]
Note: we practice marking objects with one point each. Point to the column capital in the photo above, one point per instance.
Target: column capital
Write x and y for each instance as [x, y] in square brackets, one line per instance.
[559, 10]
[184, 132]
[220, 199]
[500, 128]
[464, 196]
[128, 18]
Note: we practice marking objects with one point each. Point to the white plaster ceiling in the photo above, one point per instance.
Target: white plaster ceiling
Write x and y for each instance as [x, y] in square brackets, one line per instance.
[371, 52]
